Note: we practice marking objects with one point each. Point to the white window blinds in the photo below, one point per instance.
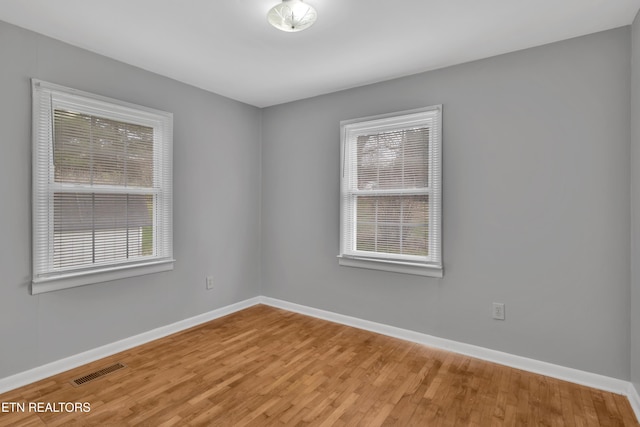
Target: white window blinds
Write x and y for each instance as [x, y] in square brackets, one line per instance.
[391, 191]
[102, 189]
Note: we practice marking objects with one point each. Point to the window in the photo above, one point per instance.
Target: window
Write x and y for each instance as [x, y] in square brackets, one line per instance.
[102, 199]
[391, 192]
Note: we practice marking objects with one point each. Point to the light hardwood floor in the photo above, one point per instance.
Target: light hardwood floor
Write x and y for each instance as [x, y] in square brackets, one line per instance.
[265, 366]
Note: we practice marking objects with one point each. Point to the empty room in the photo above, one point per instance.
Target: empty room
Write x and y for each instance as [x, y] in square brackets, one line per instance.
[320, 212]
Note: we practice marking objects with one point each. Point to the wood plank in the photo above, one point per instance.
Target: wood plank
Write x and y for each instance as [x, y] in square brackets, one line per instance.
[265, 366]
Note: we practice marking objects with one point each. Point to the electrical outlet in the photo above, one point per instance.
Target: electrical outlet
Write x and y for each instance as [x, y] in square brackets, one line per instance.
[498, 310]
[209, 282]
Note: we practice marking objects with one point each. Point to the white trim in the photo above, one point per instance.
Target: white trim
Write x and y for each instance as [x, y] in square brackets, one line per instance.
[391, 265]
[128, 111]
[634, 399]
[430, 117]
[549, 369]
[390, 120]
[62, 365]
[47, 97]
[589, 379]
[107, 274]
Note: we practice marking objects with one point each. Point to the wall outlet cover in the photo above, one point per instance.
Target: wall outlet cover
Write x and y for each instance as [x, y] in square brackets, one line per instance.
[498, 311]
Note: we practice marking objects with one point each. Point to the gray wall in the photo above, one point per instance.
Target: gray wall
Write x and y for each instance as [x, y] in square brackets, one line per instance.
[536, 204]
[216, 207]
[635, 203]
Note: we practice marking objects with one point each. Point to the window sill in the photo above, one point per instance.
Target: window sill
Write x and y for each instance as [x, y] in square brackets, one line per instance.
[72, 280]
[393, 266]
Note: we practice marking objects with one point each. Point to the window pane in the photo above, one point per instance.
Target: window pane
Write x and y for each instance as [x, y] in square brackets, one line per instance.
[415, 240]
[393, 160]
[101, 228]
[366, 237]
[72, 147]
[389, 208]
[416, 158]
[415, 210]
[393, 224]
[388, 239]
[96, 150]
[139, 156]
[367, 208]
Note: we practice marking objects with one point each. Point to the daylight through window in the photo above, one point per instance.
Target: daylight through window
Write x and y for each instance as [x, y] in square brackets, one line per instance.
[102, 189]
[391, 190]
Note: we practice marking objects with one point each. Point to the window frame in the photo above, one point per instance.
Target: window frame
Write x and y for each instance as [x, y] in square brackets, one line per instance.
[410, 264]
[46, 98]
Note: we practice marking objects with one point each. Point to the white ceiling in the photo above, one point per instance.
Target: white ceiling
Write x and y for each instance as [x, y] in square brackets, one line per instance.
[227, 46]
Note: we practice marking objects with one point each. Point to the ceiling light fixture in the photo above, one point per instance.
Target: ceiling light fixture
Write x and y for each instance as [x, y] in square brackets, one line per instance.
[292, 16]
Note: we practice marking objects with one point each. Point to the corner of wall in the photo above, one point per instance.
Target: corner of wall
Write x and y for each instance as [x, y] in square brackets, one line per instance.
[634, 287]
[260, 191]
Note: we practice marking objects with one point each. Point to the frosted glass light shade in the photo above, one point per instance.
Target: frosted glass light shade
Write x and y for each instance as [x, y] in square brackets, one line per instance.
[292, 15]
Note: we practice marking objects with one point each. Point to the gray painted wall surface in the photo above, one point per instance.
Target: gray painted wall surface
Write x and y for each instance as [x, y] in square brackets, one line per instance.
[216, 207]
[536, 204]
[635, 203]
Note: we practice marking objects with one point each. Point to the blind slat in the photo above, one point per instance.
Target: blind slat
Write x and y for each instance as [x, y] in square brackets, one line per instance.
[102, 187]
[390, 203]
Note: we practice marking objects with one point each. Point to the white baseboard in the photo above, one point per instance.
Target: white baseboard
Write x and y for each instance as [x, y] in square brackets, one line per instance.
[634, 399]
[62, 365]
[548, 369]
